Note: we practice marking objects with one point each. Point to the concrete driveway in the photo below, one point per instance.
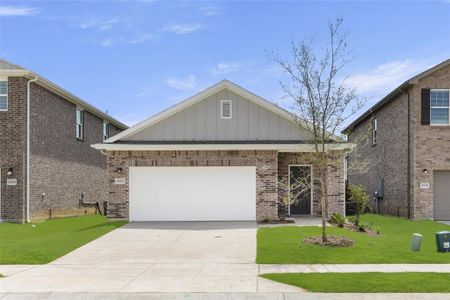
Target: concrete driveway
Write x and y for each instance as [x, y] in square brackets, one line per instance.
[155, 257]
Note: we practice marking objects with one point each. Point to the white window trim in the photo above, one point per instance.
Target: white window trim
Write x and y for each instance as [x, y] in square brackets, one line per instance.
[81, 124]
[448, 107]
[289, 186]
[374, 131]
[105, 136]
[221, 109]
[7, 98]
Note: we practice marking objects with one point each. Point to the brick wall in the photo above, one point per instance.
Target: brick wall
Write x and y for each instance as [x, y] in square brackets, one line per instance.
[62, 167]
[430, 145]
[387, 159]
[265, 162]
[12, 150]
[429, 148]
[335, 179]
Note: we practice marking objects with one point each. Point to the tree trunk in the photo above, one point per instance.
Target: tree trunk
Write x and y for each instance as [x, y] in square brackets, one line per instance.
[324, 215]
[324, 195]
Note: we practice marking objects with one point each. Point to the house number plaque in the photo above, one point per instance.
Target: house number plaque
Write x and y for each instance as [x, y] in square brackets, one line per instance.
[424, 185]
[11, 182]
[119, 180]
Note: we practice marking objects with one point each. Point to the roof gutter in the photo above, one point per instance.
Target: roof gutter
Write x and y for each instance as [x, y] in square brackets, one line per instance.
[63, 93]
[27, 200]
[374, 108]
[408, 159]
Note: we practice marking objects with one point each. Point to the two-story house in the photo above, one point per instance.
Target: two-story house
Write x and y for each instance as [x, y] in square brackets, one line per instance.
[45, 155]
[407, 147]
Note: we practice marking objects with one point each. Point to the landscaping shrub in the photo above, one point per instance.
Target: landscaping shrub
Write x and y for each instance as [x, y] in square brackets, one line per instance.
[338, 219]
[359, 196]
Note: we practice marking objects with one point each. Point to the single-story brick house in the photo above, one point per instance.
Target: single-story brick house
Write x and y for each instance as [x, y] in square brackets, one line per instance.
[219, 155]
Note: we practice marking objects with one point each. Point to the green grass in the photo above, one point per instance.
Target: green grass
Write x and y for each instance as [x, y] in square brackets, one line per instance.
[43, 242]
[284, 245]
[367, 282]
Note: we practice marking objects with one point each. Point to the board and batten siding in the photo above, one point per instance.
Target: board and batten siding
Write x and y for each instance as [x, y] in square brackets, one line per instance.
[202, 122]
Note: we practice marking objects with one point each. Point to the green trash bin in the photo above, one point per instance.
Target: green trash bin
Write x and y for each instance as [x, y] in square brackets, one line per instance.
[443, 241]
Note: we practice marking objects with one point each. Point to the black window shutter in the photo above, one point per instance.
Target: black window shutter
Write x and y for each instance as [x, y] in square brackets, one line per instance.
[425, 104]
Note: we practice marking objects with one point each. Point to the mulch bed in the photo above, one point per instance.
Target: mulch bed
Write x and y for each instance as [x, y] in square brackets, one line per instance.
[281, 221]
[332, 241]
[352, 227]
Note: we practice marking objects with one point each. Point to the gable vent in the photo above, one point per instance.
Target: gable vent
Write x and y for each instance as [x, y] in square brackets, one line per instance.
[225, 109]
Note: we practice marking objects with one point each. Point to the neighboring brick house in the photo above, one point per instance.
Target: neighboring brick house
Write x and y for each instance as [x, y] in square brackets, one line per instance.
[62, 165]
[408, 147]
[219, 155]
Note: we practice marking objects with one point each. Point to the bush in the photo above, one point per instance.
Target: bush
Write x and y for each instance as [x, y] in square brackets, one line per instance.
[359, 196]
[338, 219]
[352, 219]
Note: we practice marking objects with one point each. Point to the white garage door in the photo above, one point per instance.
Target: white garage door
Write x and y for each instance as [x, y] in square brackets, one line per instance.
[192, 193]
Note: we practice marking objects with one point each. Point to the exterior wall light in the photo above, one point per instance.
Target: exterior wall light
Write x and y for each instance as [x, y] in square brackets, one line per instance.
[425, 171]
[10, 172]
[119, 170]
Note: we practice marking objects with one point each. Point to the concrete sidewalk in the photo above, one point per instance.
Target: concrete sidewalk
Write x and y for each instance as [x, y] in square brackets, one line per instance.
[174, 277]
[354, 268]
[222, 296]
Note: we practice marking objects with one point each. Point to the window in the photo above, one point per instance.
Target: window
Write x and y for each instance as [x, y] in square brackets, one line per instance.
[225, 109]
[374, 131]
[439, 107]
[105, 130]
[80, 124]
[3, 95]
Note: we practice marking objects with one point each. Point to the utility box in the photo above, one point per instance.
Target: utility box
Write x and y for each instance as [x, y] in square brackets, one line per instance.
[416, 241]
[443, 241]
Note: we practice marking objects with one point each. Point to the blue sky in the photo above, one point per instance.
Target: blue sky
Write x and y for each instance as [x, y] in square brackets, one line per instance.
[135, 58]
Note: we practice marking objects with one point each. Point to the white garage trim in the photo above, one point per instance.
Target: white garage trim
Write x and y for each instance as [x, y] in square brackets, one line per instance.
[218, 147]
[192, 193]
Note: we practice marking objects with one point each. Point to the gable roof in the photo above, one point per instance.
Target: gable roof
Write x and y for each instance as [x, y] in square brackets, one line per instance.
[9, 69]
[6, 65]
[389, 97]
[224, 84]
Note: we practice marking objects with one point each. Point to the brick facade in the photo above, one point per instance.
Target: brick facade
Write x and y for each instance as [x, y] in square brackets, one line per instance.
[265, 162]
[335, 180]
[12, 150]
[61, 167]
[386, 159]
[429, 146]
[270, 168]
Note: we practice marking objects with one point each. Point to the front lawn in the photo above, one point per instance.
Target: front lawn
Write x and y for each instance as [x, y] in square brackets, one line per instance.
[366, 282]
[284, 245]
[43, 242]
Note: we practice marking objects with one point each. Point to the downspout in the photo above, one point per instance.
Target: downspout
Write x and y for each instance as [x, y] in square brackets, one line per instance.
[408, 167]
[27, 200]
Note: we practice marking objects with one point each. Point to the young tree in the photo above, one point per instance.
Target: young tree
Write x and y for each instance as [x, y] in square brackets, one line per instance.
[359, 196]
[322, 98]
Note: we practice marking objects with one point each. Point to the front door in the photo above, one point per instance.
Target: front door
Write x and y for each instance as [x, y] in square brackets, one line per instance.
[441, 192]
[300, 187]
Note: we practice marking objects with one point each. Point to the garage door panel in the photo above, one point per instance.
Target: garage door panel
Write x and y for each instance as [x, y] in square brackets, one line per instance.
[192, 193]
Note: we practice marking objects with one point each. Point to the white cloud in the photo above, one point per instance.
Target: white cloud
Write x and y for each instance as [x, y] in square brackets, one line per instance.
[180, 29]
[210, 10]
[109, 42]
[225, 68]
[387, 76]
[141, 38]
[185, 84]
[98, 24]
[16, 11]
